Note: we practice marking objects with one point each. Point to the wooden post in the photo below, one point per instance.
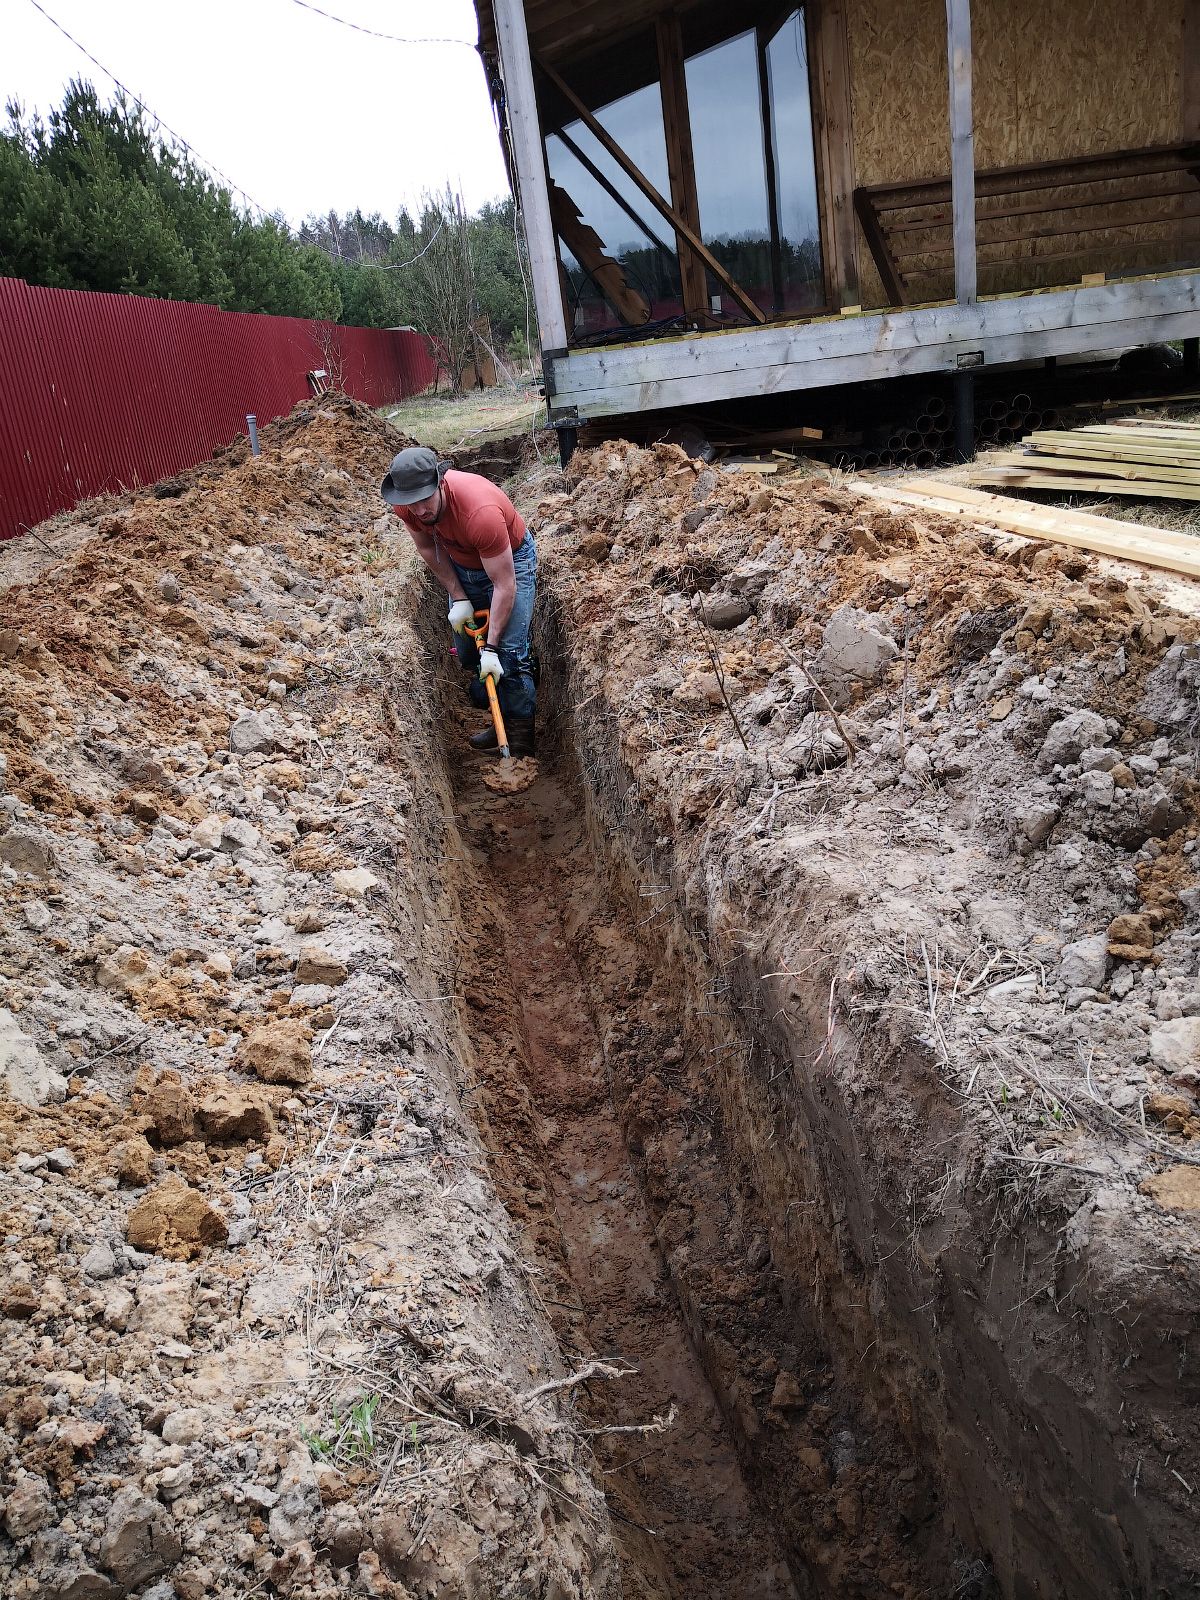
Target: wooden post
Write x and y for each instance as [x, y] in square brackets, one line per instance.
[830, 82]
[1189, 111]
[680, 160]
[962, 149]
[521, 108]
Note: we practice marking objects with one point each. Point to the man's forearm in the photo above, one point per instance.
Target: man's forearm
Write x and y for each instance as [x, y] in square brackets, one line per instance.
[501, 610]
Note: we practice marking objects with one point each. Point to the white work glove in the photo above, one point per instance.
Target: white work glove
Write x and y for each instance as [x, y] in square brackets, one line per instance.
[461, 612]
[489, 664]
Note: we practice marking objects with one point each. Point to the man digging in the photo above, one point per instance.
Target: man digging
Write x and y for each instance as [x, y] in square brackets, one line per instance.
[471, 537]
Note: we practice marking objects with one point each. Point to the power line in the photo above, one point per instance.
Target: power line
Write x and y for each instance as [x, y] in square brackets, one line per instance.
[391, 267]
[142, 106]
[393, 38]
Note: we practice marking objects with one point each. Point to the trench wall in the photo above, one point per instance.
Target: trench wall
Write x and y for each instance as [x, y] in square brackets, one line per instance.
[968, 1405]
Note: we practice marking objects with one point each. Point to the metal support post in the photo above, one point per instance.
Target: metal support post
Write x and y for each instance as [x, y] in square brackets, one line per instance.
[568, 438]
[964, 415]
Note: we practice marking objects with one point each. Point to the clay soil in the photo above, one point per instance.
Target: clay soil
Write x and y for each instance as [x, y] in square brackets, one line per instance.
[686, 1519]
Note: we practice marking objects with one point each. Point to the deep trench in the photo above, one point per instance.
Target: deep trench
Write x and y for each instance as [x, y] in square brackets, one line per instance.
[686, 1520]
[635, 1102]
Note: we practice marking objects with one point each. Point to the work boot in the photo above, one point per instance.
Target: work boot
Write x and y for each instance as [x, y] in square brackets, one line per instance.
[521, 741]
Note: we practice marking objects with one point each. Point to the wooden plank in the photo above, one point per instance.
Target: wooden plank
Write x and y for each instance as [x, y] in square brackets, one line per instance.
[1026, 461]
[1065, 445]
[1141, 458]
[1154, 547]
[1114, 434]
[1056, 516]
[681, 165]
[962, 149]
[1065, 230]
[830, 81]
[1156, 424]
[1146, 162]
[1072, 483]
[528, 150]
[1150, 400]
[1076, 203]
[601, 133]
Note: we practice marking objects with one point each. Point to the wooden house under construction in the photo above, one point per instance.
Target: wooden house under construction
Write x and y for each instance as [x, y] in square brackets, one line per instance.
[725, 200]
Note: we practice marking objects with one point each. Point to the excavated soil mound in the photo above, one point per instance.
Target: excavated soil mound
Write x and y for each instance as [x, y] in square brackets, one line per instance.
[264, 1326]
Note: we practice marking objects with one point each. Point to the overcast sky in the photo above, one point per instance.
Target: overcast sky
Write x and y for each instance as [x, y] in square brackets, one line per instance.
[304, 114]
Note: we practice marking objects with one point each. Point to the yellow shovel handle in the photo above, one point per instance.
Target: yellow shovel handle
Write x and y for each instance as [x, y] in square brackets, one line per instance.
[497, 719]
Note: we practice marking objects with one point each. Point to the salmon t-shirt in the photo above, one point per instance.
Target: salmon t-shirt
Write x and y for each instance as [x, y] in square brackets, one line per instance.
[477, 520]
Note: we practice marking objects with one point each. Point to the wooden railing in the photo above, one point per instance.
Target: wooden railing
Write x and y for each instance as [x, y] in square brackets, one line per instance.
[1127, 211]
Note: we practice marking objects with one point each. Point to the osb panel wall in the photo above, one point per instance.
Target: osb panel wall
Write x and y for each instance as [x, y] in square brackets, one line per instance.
[1051, 79]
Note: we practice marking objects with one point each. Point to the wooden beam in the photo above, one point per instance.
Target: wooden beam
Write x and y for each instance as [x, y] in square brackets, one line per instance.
[601, 133]
[1149, 162]
[680, 160]
[830, 82]
[786, 357]
[521, 110]
[881, 251]
[962, 149]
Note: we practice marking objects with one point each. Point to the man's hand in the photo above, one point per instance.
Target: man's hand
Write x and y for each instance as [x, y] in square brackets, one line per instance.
[461, 612]
[489, 664]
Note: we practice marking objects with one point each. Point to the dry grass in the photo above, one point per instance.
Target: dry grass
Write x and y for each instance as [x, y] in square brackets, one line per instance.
[444, 423]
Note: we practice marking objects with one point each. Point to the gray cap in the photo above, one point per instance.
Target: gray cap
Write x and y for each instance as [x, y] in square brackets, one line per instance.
[414, 475]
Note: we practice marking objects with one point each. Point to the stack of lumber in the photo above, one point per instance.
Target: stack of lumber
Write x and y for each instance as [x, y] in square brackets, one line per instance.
[1152, 459]
[1127, 541]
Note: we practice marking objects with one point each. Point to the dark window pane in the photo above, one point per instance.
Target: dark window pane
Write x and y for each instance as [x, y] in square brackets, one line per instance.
[725, 104]
[795, 165]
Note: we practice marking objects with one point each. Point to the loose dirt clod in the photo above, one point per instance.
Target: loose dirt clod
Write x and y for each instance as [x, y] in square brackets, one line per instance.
[511, 777]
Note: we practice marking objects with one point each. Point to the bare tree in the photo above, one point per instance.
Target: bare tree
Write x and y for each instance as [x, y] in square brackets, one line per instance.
[442, 283]
[329, 341]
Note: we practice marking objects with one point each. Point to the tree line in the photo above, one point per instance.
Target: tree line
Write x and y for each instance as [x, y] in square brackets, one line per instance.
[95, 197]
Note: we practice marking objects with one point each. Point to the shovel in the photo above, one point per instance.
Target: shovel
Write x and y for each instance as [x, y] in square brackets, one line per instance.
[479, 634]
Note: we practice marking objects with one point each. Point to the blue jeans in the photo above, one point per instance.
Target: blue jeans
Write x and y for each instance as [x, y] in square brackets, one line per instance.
[515, 690]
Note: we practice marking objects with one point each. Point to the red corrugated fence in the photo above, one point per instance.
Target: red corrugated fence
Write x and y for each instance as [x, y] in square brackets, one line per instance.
[102, 392]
